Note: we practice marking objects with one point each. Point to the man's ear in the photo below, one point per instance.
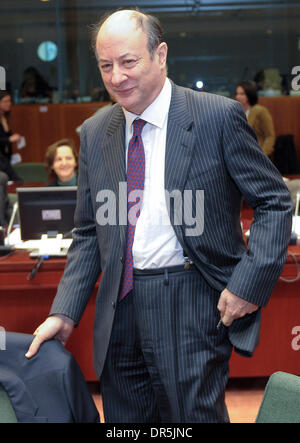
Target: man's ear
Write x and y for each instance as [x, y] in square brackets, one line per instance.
[162, 51]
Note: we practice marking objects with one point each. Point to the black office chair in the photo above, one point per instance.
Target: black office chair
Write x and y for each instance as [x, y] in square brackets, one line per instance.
[285, 155]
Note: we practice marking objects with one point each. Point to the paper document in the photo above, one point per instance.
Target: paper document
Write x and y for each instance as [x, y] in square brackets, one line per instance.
[15, 158]
[22, 143]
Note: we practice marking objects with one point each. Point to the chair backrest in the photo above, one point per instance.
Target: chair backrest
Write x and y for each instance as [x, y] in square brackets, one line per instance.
[47, 388]
[281, 400]
[31, 172]
[285, 155]
[7, 413]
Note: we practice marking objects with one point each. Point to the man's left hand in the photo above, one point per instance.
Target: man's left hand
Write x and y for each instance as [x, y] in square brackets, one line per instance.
[232, 307]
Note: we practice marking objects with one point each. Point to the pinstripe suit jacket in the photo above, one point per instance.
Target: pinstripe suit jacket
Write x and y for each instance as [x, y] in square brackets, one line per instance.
[209, 147]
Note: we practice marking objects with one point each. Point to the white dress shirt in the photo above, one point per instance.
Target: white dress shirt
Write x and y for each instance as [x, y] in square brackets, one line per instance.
[155, 243]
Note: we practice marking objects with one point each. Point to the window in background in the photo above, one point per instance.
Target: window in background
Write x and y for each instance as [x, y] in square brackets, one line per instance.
[213, 45]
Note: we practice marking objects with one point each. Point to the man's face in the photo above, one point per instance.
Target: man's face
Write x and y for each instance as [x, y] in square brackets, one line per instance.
[130, 76]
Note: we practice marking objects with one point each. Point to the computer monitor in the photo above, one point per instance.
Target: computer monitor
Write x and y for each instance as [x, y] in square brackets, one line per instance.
[46, 210]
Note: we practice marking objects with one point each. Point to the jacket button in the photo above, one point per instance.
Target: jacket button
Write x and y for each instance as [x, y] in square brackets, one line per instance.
[122, 259]
[113, 304]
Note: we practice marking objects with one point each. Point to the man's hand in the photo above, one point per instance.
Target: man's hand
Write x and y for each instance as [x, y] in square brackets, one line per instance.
[57, 326]
[232, 307]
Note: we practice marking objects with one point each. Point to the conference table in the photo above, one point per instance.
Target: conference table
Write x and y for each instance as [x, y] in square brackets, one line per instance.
[25, 303]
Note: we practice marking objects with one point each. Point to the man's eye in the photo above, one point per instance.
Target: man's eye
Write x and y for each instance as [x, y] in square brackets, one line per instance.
[129, 62]
[105, 67]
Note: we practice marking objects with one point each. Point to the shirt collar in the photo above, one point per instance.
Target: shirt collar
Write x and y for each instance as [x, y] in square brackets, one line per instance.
[157, 111]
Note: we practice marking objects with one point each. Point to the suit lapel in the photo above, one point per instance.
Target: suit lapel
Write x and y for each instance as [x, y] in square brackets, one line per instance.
[180, 141]
[114, 158]
[114, 150]
[179, 148]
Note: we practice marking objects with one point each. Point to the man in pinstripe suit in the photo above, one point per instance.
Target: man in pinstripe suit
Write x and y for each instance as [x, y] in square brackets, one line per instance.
[162, 352]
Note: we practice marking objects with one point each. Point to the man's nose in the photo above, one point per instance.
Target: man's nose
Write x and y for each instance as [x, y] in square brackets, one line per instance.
[118, 76]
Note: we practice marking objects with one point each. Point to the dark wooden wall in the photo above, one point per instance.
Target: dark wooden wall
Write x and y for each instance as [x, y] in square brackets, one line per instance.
[42, 125]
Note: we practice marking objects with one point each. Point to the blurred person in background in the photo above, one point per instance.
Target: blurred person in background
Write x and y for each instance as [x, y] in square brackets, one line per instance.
[258, 116]
[62, 163]
[34, 85]
[7, 137]
[5, 206]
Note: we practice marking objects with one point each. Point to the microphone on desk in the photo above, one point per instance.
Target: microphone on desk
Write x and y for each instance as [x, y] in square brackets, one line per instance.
[12, 219]
[37, 266]
[7, 248]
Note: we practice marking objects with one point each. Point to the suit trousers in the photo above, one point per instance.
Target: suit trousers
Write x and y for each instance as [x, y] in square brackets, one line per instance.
[167, 361]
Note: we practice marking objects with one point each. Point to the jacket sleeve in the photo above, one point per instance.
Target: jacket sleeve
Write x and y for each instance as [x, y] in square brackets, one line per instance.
[83, 265]
[256, 274]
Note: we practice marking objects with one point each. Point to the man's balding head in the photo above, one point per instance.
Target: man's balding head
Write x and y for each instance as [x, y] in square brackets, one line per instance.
[149, 24]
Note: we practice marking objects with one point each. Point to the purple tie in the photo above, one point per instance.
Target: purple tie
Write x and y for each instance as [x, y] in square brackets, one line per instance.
[135, 184]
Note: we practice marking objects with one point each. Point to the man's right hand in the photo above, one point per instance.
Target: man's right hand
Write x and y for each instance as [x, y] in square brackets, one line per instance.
[57, 326]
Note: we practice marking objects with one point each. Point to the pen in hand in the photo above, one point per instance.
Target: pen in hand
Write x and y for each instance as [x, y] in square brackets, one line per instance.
[219, 324]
